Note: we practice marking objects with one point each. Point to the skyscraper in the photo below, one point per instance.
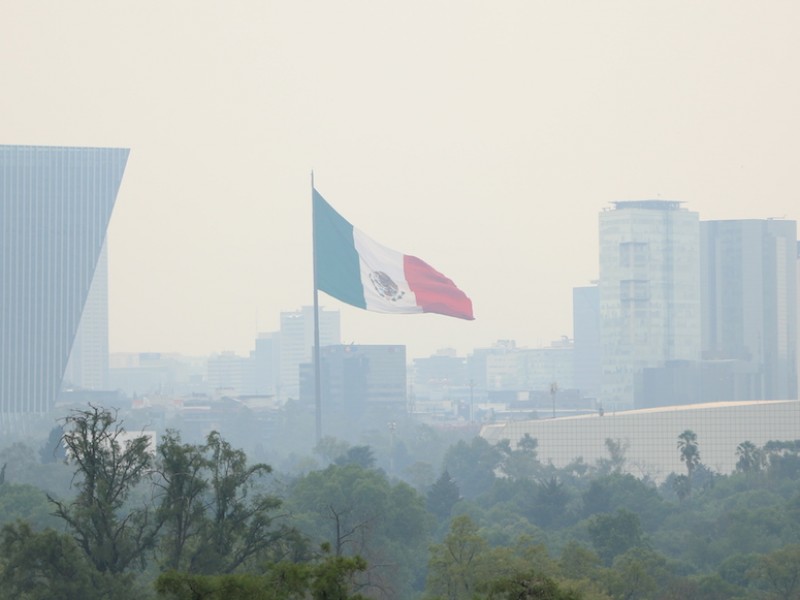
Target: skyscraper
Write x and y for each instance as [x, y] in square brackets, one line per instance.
[649, 292]
[55, 204]
[749, 293]
[297, 343]
[87, 367]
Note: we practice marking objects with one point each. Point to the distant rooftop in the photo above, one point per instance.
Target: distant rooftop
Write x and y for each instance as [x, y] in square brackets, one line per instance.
[648, 204]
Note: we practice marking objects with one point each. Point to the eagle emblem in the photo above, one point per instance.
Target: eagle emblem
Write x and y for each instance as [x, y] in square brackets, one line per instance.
[385, 286]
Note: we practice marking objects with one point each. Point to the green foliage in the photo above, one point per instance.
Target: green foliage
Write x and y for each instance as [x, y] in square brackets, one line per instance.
[53, 449]
[550, 501]
[458, 564]
[610, 492]
[779, 571]
[357, 455]
[614, 534]
[473, 465]
[616, 457]
[182, 508]
[214, 519]
[47, 565]
[464, 566]
[107, 470]
[690, 451]
[359, 513]
[522, 463]
[527, 586]
[26, 503]
[442, 496]
[750, 458]
[328, 578]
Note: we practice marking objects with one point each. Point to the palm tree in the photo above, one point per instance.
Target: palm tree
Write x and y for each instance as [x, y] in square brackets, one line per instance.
[690, 452]
[751, 458]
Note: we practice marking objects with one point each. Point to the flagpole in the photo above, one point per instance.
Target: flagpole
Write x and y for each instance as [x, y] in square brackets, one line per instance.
[317, 378]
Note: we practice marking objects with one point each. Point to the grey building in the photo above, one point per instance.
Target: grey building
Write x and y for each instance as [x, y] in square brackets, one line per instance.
[297, 344]
[358, 380]
[749, 303]
[55, 205]
[649, 292]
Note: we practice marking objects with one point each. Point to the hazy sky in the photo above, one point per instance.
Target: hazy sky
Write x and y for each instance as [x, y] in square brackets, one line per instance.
[483, 137]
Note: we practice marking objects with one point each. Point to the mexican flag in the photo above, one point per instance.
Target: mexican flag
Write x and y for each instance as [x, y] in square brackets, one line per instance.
[357, 270]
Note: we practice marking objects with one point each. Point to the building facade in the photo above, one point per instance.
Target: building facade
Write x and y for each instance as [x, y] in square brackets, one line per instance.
[297, 344]
[649, 291]
[87, 367]
[358, 380]
[55, 205]
[749, 308]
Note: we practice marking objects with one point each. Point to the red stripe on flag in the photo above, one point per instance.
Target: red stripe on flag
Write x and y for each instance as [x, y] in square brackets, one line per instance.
[435, 293]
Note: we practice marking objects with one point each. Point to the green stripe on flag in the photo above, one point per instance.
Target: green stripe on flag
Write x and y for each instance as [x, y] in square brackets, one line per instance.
[335, 257]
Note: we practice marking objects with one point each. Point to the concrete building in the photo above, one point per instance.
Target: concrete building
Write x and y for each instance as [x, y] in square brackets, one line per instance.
[649, 291]
[297, 343]
[228, 373]
[749, 303]
[266, 364]
[358, 380]
[55, 205]
[649, 436]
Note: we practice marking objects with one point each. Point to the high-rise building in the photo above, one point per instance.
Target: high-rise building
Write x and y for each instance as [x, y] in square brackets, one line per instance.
[266, 359]
[297, 343]
[358, 380]
[649, 292]
[749, 309]
[55, 204]
[87, 367]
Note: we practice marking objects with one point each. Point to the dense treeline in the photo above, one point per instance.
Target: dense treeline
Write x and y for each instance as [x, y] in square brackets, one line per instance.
[100, 513]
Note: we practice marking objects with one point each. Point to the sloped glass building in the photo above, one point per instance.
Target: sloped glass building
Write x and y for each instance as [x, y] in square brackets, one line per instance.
[55, 205]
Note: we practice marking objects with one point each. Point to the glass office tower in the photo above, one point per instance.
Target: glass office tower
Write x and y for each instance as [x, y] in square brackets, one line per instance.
[55, 205]
[649, 292]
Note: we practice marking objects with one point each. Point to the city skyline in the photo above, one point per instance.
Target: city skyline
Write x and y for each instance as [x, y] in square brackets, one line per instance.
[483, 138]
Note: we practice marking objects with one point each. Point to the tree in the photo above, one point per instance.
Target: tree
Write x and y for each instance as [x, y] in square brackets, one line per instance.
[690, 455]
[108, 467]
[358, 512]
[46, 565]
[25, 502]
[215, 520]
[780, 570]
[522, 463]
[751, 458]
[357, 455]
[637, 574]
[330, 448]
[473, 465]
[456, 567]
[53, 449]
[326, 578]
[442, 496]
[616, 456]
[183, 505]
[527, 586]
[614, 534]
[682, 486]
[550, 502]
